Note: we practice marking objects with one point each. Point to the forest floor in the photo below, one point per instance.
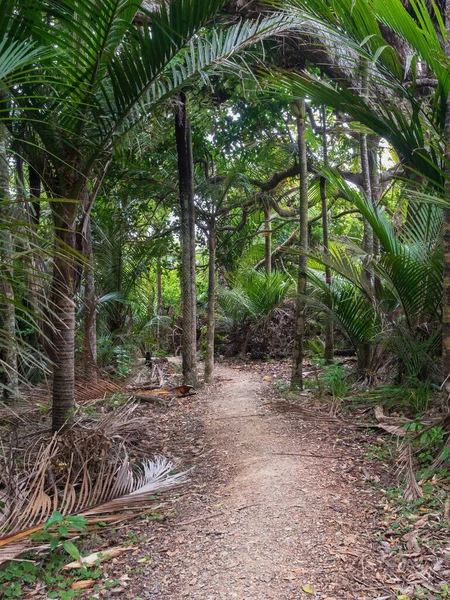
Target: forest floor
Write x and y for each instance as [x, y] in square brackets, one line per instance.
[276, 508]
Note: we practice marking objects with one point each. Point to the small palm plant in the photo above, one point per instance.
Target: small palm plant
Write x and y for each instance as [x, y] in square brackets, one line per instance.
[250, 303]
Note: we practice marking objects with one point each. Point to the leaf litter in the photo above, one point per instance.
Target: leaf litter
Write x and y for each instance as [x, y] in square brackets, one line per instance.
[259, 520]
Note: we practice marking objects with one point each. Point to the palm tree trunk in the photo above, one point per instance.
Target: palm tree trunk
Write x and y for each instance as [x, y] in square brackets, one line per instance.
[365, 172]
[446, 244]
[210, 325]
[90, 305]
[8, 354]
[329, 334]
[63, 305]
[159, 302]
[187, 217]
[35, 193]
[375, 181]
[366, 352]
[297, 360]
[267, 240]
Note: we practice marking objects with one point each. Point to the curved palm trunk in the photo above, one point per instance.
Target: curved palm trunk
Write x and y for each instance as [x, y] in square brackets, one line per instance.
[210, 326]
[8, 355]
[63, 305]
[297, 359]
[187, 214]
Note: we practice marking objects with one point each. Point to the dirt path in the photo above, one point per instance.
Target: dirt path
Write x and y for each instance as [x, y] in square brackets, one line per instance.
[269, 524]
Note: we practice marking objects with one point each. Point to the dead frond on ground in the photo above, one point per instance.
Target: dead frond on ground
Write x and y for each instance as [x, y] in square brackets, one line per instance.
[405, 470]
[86, 471]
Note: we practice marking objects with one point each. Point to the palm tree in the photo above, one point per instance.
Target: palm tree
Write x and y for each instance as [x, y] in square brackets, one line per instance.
[401, 311]
[116, 63]
[16, 59]
[416, 125]
[251, 301]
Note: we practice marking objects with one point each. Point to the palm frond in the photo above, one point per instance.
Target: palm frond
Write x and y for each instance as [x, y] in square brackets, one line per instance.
[80, 472]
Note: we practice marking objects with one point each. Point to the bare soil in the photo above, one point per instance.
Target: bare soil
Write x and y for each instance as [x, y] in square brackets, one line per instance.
[276, 508]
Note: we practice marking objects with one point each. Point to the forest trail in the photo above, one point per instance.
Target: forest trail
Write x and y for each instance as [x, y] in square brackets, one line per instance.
[274, 525]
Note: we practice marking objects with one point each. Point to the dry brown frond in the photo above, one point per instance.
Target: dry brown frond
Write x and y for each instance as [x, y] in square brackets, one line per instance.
[322, 417]
[405, 462]
[85, 471]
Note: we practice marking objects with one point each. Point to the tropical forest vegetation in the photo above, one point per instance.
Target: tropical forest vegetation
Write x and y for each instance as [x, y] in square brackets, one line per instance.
[225, 242]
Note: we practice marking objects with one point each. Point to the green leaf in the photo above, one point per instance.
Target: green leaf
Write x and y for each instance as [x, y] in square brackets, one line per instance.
[55, 519]
[53, 542]
[71, 549]
[76, 522]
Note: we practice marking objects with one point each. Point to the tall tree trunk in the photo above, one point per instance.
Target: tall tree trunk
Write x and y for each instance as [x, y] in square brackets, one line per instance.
[90, 306]
[210, 325]
[187, 216]
[8, 349]
[365, 166]
[159, 302]
[329, 337]
[63, 305]
[375, 181]
[267, 240]
[366, 350]
[446, 275]
[367, 187]
[35, 194]
[297, 360]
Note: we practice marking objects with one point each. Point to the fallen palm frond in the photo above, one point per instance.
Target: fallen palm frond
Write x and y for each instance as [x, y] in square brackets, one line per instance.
[405, 462]
[313, 415]
[84, 392]
[85, 471]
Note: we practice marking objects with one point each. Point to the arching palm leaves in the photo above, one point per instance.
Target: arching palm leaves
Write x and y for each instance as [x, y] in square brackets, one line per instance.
[409, 271]
[254, 296]
[412, 124]
[115, 63]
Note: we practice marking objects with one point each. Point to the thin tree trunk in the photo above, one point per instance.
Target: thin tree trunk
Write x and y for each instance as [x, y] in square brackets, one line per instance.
[375, 188]
[366, 350]
[375, 181]
[365, 166]
[292, 239]
[8, 352]
[63, 305]
[446, 244]
[159, 302]
[329, 337]
[187, 217]
[90, 305]
[297, 360]
[210, 325]
[365, 172]
[267, 240]
[35, 194]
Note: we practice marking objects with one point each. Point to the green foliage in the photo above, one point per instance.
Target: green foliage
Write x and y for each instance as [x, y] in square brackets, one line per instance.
[336, 380]
[253, 296]
[56, 531]
[427, 442]
[17, 576]
[414, 397]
